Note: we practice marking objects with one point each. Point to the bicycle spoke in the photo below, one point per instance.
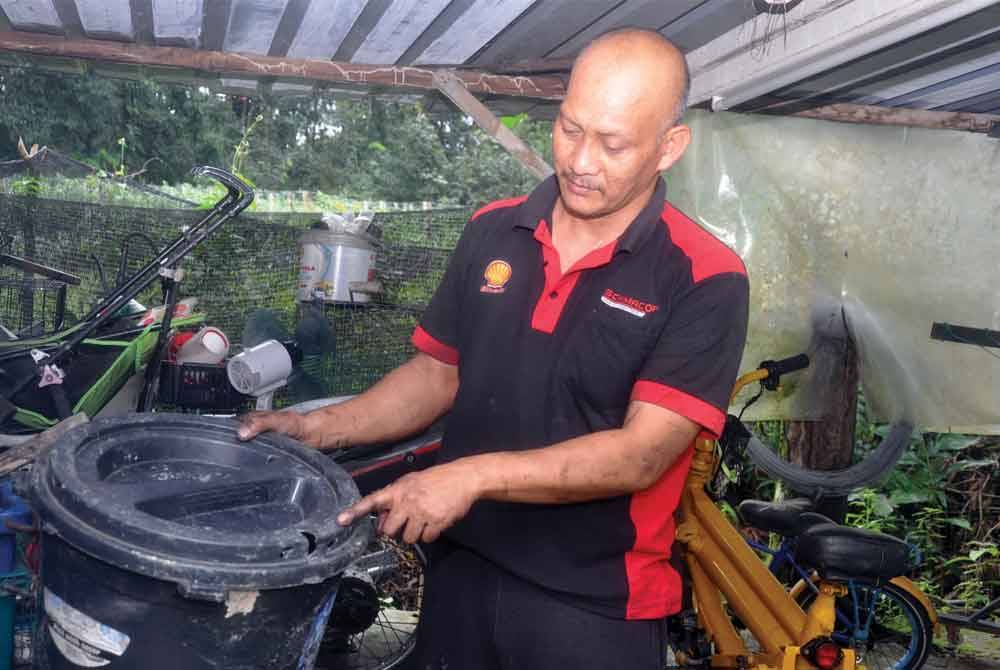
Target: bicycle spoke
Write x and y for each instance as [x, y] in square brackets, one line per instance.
[392, 635]
[884, 624]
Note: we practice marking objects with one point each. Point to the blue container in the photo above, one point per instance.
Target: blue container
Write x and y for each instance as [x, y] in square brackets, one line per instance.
[12, 508]
[7, 609]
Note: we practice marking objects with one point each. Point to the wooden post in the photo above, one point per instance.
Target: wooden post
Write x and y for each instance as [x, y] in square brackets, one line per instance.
[828, 443]
[453, 88]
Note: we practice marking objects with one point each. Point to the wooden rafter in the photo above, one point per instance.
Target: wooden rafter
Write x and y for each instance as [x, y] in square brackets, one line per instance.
[895, 116]
[454, 89]
[232, 64]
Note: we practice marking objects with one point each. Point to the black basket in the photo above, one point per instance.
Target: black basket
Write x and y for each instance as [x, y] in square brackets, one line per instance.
[31, 307]
[199, 386]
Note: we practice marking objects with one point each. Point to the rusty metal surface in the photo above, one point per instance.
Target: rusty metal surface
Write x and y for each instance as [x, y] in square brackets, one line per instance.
[546, 87]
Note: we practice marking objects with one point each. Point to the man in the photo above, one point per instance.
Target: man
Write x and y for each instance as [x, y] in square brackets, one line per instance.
[580, 338]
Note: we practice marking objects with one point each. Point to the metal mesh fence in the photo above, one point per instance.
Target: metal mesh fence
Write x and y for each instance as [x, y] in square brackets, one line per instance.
[29, 305]
[250, 264]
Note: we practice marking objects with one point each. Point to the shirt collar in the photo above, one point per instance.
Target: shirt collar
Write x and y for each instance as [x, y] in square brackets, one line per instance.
[542, 200]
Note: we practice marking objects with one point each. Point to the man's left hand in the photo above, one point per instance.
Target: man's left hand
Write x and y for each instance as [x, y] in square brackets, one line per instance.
[420, 505]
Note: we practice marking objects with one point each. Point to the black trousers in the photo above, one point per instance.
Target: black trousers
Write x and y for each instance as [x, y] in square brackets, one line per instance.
[477, 617]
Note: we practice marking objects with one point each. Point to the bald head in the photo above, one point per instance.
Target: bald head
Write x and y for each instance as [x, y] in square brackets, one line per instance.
[637, 63]
[618, 126]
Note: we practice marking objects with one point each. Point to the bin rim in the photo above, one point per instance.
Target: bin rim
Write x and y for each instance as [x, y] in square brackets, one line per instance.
[82, 492]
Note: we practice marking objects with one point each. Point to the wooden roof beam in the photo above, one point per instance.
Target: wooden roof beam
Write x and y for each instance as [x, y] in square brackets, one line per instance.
[547, 87]
[454, 89]
[897, 116]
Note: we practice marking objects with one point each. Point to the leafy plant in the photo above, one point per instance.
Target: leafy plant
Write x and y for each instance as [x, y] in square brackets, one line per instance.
[871, 510]
[120, 170]
[27, 185]
[242, 149]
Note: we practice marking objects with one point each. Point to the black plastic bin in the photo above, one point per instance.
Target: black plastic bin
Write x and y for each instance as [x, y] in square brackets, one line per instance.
[168, 544]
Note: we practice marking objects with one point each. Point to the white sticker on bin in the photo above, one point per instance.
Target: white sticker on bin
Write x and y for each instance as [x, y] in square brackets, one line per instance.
[84, 641]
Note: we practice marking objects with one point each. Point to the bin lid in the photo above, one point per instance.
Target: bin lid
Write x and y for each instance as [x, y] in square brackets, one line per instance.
[177, 497]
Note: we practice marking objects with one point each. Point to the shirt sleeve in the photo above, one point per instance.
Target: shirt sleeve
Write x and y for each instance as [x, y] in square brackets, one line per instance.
[437, 333]
[693, 367]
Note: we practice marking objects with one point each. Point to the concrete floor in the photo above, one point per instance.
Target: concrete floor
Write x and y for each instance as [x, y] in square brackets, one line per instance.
[976, 651]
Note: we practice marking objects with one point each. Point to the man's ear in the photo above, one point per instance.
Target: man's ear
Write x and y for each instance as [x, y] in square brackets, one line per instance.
[673, 145]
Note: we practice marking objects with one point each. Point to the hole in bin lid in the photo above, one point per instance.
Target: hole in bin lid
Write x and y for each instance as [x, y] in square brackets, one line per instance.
[177, 497]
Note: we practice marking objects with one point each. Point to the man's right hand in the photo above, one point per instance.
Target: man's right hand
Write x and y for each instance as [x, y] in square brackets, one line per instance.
[405, 401]
[286, 422]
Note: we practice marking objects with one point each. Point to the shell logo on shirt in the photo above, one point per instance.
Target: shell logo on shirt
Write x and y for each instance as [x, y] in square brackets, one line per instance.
[497, 274]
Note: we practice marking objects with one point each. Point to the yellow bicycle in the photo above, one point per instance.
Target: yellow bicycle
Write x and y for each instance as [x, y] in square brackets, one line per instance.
[729, 582]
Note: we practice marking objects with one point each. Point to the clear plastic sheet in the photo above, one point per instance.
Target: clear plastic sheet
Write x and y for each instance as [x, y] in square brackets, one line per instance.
[31, 14]
[879, 230]
[105, 17]
[252, 24]
[177, 19]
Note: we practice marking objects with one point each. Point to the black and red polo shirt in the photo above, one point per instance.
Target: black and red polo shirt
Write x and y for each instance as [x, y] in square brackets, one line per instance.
[658, 316]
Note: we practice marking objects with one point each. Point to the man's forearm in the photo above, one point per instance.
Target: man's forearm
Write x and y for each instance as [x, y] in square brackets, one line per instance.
[599, 465]
[404, 402]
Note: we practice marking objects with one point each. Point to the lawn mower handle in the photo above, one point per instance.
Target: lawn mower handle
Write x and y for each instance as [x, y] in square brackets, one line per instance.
[239, 196]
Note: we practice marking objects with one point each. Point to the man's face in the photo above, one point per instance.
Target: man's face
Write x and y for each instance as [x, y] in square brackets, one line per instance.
[600, 170]
[608, 140]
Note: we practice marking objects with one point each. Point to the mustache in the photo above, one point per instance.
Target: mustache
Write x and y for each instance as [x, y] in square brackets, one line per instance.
[585, 182]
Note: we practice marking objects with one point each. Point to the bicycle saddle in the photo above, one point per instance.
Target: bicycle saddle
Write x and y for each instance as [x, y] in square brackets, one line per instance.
[840, 552]
[789, 517]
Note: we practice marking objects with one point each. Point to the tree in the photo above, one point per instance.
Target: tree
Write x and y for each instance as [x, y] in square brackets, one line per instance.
[369, 148]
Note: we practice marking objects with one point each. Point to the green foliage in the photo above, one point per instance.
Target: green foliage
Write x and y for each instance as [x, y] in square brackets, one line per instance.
[515, 120]
[86, 116]
[938, 499]
[942, 497]
[871, 510]
[242, 149]
[28, 185]
[120, 170]
[416, 292]
[361, 149]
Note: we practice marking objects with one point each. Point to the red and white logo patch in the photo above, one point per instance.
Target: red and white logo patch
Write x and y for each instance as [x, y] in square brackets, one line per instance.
[628, 305]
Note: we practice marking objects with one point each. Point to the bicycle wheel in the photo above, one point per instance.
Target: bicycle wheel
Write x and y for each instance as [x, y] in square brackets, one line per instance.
[373, 625]
[886, 626]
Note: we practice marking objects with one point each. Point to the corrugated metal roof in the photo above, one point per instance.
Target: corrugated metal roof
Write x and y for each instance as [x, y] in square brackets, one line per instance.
[401, 32]
[954, 65]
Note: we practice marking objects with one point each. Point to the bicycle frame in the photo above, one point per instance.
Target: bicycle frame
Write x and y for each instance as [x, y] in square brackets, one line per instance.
[722, 565]
[780, 557]
[784, 556]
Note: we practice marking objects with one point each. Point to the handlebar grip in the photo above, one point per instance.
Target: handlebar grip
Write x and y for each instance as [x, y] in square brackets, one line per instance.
[777, 368]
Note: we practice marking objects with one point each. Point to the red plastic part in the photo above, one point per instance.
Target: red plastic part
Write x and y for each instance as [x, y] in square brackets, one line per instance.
[827, 655]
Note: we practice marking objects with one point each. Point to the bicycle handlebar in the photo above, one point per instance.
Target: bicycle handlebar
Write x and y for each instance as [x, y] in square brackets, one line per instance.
[769, 373]
[777, 368]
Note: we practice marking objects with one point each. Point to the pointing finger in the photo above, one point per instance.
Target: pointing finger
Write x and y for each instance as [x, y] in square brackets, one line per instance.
[370, 503]
[255, 423]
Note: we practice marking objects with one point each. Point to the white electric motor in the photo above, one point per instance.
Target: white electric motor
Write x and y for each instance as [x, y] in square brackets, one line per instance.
[261, 370]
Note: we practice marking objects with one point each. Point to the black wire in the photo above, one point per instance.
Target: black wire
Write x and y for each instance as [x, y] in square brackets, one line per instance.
[100, 272]
[760, 392]
[123, 254]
